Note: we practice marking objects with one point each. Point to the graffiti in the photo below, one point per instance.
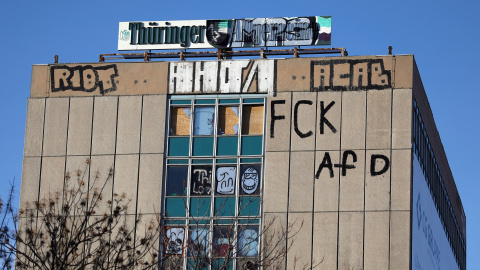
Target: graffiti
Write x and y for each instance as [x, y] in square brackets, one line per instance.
[226, 180]
[221, 77]
[424, 227]
[323, 119]
[84, 78]
[260, 32]
[250, 180]
[175, 238]
[346, 74]
[327, 163]
[201, 180]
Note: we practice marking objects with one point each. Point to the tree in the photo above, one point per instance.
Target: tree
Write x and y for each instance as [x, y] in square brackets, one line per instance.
[6, 210]
[220, 246]
[78, 228]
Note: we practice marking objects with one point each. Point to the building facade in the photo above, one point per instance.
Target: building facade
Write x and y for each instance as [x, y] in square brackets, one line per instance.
[342, 149]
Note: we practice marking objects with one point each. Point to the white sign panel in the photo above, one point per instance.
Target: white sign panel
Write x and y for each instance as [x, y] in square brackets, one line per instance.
[430, 247]
[230, 33]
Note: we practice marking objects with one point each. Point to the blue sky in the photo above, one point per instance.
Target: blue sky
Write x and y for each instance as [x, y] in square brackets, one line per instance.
[441, 34]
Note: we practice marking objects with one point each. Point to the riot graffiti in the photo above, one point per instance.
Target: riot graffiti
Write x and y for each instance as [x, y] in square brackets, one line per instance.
[222, 77]
[84, 78]
[342, 75]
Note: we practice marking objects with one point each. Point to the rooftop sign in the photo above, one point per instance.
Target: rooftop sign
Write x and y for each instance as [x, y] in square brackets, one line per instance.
[220, 34]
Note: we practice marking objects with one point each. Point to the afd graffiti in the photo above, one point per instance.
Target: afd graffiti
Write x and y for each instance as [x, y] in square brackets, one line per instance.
[349, 75]
[222, 77]
[379, 164]
[84, 78]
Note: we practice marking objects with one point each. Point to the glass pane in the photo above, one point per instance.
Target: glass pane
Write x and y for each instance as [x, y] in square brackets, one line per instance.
[178, 146]
[252, 120]
[223, 264]
[249, 206]
[225, 180]
[225, 206]
[200, 207]
[203, 146]
[248, 241]
[201, 180]
[204, 121]
[228, 120]
[250, 179]
[227, 146]
[177, 180]
[223, 240]
[198, 242]
[175, 238]
[175, 207]
[195, 263]
[252, 145]
[180, 121]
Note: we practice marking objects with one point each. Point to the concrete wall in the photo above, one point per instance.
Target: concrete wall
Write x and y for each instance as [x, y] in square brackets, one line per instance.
[338, 143]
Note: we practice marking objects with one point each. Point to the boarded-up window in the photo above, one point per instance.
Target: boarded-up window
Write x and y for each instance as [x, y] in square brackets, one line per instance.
[227, 120]
[252, 122]
[180, 121]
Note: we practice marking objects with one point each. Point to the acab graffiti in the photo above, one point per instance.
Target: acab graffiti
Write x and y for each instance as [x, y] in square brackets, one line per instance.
[84, 78]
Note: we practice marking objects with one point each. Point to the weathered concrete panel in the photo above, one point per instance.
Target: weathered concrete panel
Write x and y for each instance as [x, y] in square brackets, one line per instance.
[303, 117]
[329, 111]
[104, 125]
[300, 254]
[153, 124]
[402, 119]
[30, 181]
[34, 127]
[301, 181]
[150, 184]
[325, 232]
[276, 229]
[377, 180]
[327, 182]
[399, 243]
[379, 121]
[350, 240]
[129, 121]
[101, 179]
[376, 240]
[56, 122]
[352, 184]
[401, 179]
[125, 179]
[52, 176]
[278, 122]
[275, 189]
[353, 120]
[80, 126]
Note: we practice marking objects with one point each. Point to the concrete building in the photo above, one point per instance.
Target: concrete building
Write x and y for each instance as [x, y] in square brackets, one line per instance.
[345, 146]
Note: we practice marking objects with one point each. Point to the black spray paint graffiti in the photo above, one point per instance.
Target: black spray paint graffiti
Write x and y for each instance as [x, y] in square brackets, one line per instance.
[323, 119]
[374, 171]
[345, 74]
[84, 78]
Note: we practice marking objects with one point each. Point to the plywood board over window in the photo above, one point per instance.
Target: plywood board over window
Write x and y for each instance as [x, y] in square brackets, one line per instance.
[252, 122]
[180, 121]
[227, 120]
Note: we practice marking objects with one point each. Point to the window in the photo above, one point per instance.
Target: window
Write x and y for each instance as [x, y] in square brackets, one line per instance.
[213, 181]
